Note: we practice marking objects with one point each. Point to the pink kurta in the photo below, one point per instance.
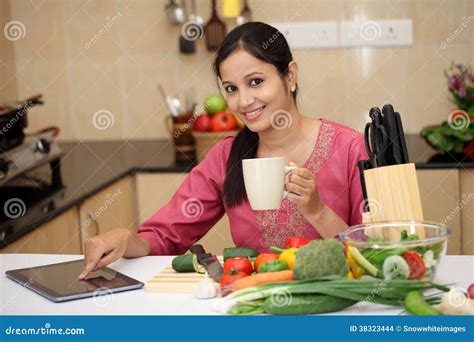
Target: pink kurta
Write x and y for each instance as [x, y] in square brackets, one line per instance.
[198, 203]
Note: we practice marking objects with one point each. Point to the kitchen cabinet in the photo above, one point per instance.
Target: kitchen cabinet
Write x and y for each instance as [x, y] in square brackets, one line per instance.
[113, 207]
[154, 190]
[61, 235]
[467, 211]
[440, 198]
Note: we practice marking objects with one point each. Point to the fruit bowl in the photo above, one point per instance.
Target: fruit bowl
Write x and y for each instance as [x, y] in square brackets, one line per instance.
[395, 250]
[205, 140]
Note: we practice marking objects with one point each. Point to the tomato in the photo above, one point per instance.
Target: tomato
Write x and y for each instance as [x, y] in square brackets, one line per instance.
[264, 258]
[415, 263]
[242, 264]
[229, 278]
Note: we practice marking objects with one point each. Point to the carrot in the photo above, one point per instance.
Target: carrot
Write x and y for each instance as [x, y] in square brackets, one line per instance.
[262, 278]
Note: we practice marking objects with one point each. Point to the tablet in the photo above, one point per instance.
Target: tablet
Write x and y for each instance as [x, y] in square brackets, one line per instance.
[59, 282]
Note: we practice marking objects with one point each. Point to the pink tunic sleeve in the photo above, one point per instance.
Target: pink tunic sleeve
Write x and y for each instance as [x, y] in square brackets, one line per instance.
[356, 152]
[193, 210]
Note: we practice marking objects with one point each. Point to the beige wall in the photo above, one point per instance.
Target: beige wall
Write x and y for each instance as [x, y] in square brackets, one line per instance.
[8, 86]
[120, 71]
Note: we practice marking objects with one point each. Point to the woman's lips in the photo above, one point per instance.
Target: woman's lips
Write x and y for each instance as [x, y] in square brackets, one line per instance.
[253, 115]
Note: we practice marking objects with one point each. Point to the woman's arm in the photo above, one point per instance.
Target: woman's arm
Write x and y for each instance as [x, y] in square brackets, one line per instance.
[328, 222]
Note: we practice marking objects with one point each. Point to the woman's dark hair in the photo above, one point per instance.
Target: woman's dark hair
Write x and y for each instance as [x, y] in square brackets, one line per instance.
[269, 45]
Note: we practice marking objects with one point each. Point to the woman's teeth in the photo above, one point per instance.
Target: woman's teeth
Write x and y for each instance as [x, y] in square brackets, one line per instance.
[255, 113]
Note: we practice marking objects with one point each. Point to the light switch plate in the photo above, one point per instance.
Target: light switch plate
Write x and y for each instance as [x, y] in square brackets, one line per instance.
[383, 33]
[310, 35]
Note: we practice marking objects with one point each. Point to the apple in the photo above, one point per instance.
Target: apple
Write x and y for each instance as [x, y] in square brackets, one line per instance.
[214, 104]
[202, 123]
[223, 121]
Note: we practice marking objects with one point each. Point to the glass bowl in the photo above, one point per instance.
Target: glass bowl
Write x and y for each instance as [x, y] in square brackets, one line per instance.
[395, 250]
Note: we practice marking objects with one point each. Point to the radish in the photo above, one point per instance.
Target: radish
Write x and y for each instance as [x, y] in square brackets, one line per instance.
[470, 291]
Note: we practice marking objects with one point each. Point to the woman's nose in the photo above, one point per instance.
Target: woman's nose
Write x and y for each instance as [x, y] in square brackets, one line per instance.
[245, 99]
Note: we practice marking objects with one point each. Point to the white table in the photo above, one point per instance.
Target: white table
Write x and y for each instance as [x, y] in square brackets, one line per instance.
[16, 300]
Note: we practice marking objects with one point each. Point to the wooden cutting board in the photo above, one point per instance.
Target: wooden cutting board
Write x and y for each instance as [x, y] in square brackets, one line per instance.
[170, 281]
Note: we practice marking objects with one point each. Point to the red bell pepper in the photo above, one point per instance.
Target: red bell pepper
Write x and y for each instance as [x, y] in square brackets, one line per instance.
[296, 241]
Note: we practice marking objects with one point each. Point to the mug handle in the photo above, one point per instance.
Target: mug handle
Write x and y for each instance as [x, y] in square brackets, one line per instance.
[287, 170]
[169, 124]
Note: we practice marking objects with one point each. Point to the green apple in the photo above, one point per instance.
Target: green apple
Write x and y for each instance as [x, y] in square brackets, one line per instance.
[214, 104]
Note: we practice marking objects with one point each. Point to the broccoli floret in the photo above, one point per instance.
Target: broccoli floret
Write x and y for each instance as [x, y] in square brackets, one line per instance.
[321, 258]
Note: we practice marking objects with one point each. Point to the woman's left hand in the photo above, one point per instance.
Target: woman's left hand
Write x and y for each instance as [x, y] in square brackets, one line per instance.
[303, 191]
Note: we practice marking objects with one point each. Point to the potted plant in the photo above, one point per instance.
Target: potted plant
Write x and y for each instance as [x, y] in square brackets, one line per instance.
[456, 135]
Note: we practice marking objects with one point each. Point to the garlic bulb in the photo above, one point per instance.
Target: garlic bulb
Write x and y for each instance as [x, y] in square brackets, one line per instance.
[456, 302]
[206, 288]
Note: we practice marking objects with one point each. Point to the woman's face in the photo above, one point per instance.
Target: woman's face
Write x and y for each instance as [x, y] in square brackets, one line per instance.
[254, 90]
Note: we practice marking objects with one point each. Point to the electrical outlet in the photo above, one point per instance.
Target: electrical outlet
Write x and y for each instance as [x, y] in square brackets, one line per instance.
[383, 33]
[310, 35]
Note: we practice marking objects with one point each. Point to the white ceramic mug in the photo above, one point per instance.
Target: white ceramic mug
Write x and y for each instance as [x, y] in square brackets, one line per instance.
[264, 180]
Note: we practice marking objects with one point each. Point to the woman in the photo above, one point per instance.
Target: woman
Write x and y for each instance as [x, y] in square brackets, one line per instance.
[256, 70]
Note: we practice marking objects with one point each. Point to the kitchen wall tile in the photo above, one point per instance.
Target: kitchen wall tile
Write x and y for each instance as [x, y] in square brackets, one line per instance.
[138, 48]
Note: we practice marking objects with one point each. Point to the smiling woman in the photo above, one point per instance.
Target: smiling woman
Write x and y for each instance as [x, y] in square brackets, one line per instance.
[259, 78]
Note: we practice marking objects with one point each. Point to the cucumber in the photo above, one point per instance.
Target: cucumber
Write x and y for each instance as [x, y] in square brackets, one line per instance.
[232, 252]
[417, 305]
[305, 304]
[183, 263]
[395, 267]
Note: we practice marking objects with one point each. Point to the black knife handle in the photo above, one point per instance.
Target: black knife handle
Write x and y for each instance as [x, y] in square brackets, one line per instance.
[403, 144]
[394, 155]
[197, 249]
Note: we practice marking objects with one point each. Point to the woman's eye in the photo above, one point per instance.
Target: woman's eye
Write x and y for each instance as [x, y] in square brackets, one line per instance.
[230, 89]
[255, 82]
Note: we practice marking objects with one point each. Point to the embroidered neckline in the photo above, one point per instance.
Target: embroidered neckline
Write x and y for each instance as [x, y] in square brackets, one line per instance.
[275, 226]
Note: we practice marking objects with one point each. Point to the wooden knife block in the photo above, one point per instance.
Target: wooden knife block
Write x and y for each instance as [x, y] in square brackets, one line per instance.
[393, 195]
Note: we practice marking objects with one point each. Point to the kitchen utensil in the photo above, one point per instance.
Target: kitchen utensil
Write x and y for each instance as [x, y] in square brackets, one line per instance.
[246, 14]
[393, 194]
[170, 281]
[401, 134]
[210, 262]
[215, 30]
[393, 153]
[170, 104]
[376, 138]
[193, 16]
[187, 44]
[230, 8]
[14, 120]
[174, 12]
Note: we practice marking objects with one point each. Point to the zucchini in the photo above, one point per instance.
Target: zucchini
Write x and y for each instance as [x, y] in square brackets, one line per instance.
[183, 263]
[232, 252]
[305, 304]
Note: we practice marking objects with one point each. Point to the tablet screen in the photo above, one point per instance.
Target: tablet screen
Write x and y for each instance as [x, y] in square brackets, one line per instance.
[61, 280]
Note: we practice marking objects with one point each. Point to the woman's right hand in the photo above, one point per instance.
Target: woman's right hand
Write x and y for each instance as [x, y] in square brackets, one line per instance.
[103, 249]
